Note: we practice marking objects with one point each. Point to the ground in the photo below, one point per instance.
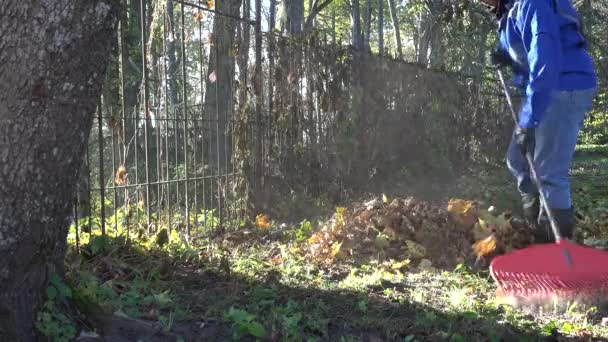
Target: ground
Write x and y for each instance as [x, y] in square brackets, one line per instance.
[359, 275]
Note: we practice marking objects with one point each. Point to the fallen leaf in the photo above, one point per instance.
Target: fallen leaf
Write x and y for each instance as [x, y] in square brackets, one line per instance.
[485, 246]
[121, 176]
[209, 4]
[414, 250]
[400, 264]
[463, 211]
[382, 241]
[391, 233]
[276, 260]
[212, 77]
[198, 16]
[425, 264]
[291, 78]
[491, 223]
[261, 221]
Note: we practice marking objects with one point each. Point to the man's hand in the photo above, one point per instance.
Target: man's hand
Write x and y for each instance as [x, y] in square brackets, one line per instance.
[499, 59]
[524, 137]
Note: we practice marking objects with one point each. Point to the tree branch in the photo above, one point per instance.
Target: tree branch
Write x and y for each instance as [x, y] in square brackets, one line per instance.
[316, 9]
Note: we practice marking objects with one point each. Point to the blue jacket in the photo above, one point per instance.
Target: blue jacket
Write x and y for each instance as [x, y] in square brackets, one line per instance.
[547, 52]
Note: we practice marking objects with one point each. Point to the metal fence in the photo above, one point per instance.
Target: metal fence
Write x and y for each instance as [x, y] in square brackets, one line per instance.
[185, 140]
[165, 159]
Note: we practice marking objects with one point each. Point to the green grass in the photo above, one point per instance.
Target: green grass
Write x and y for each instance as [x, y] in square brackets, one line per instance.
[259, 286]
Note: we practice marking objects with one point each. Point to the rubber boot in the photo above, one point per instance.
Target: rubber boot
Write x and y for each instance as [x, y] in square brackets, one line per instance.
[565, 223]
[531, 208]
[542, 231]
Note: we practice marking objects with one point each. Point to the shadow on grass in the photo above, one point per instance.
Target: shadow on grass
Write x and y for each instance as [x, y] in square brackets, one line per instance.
[292, 312]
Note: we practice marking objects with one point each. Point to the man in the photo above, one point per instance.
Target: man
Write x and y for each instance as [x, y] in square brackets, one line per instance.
[542, 42]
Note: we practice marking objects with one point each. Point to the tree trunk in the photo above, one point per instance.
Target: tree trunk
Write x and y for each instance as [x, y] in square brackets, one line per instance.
[436, 34]
[243, 58]
[356, 25]
[295, 11]
[271, 55]
[49, 87]
[219, 88]
[333, 28]
[172, 62]
[380, 28]
[424, 38]
[368, 24]
[393, 11]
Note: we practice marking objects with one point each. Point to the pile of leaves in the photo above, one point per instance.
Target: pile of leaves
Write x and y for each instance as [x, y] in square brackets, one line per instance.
[414, 233]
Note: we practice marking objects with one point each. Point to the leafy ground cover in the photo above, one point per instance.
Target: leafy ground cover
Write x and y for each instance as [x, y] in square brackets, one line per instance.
[380, 269]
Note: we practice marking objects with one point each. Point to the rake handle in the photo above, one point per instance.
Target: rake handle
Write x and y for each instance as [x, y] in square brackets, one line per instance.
[528, 156]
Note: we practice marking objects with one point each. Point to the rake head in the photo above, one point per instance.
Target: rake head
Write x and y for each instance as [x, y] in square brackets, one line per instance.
[561, 269]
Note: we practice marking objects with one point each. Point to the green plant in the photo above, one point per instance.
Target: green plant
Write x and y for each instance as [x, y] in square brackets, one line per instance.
[304, 231]
[244, 323]
[51, 322]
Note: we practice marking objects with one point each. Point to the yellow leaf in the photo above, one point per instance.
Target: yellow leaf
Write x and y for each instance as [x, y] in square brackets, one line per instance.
[384, 198]
[121, 176]
[335, 248]
[198, 16]
[460, 206]
[210, 4]
[398, 265]
[464, 211]
[262, 221]
[485, 246]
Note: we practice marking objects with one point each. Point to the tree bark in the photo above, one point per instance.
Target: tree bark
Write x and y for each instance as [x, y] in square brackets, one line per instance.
[356, 25]
[218, 89]
[380, 28]
[295, 14]
[368, 24]
[393, 10]
[172, 61]
[271, 57]
[257, 80]
[53, 57]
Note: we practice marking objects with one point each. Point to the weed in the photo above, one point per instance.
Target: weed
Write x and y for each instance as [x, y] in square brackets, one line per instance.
[51, 322]
[244, 323]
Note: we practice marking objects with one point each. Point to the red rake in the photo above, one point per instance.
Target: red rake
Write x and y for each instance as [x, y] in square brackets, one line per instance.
[560, 269]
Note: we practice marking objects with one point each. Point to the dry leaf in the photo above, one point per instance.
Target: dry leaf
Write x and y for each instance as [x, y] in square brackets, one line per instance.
[121, 176]
[391, 233]
[262, 221]
[291, 78]
[485, 247]
[491, 223]
[276, 259]
[414, 249]
[212, 77]
[400, 264]
[335, 249]
[210, 4]
[426, 264]
[464, 211]
[198, 15]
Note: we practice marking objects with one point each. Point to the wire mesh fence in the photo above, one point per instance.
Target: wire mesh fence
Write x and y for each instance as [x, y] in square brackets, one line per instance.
[206, 120]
